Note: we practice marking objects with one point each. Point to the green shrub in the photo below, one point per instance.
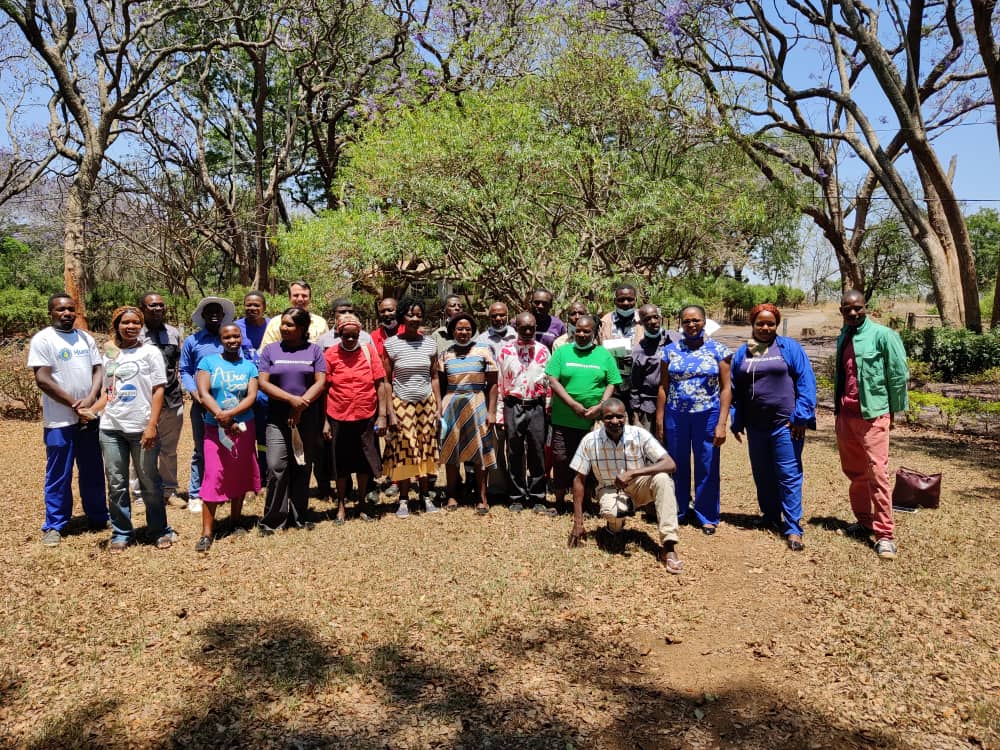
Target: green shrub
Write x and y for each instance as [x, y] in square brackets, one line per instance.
[920, 372]
[953, 351]
[22, 311]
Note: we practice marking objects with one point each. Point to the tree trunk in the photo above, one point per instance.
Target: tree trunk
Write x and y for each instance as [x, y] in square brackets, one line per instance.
[78, 275]
[948, 223]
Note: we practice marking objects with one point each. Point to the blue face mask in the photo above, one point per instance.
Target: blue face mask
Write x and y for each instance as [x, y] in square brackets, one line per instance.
[570, 329]
[585, 348]
[498, 331]
[649, 335]
[625, 312]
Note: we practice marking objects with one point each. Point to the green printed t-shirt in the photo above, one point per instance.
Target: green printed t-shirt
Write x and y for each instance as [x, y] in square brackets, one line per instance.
[584, 375]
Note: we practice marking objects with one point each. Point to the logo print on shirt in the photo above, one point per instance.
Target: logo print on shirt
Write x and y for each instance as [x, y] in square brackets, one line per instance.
[65, 355]
[127, 393]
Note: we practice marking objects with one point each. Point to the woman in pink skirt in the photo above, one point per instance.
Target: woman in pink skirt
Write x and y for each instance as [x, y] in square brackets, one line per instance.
[227, 384]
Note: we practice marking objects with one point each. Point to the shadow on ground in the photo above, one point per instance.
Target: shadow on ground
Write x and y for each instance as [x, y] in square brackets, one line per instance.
[271, 683]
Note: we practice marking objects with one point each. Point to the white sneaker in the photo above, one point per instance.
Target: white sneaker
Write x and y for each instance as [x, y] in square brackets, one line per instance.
[403, 511]
[194, 504]
[886, 549]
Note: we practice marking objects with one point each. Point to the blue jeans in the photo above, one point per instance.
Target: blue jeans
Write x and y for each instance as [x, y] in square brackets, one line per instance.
[63, 447]
[198, 454]
[776, 463]
[121, 448]
[689, 433]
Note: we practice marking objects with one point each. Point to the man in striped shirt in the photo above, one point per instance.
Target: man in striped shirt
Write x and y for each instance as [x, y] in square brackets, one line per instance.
[632, 469]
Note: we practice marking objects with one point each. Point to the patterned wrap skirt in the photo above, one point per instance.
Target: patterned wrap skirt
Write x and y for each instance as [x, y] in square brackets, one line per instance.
[465, 436]
[411, 450]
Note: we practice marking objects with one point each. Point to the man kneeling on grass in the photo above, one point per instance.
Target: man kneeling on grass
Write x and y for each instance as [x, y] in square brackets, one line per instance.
[632, 470]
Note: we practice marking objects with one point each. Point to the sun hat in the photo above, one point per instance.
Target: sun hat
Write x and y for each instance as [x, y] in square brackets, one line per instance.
[228, 311]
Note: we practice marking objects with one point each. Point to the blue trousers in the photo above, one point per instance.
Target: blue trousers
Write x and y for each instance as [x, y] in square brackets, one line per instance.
[198, 454]
[122, 449]
[692, 433]
[776, 463]
[63, 447]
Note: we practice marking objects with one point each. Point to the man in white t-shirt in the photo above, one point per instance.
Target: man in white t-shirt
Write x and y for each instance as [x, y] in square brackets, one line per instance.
[68, 371]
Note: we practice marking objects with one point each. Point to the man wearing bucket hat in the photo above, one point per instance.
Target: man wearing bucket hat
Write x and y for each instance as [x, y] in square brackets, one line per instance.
[209, 316]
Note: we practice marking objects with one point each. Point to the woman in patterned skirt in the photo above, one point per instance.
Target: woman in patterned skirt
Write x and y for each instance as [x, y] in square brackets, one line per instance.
[411, 450]
[468, 410]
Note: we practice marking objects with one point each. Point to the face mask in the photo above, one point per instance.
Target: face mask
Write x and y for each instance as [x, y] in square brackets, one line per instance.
[347, 348]
[649, 335]
[625, 312]
[498, 331]
[585, 347]
[570, 329]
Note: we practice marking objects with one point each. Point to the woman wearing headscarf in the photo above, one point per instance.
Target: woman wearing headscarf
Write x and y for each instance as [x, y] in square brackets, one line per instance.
[774, 401]
[132, 397]
[691, 415]
[468, 409]
[355, 410]
[293, 375]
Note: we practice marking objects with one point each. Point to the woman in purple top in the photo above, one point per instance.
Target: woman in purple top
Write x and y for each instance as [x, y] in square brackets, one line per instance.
[774, 401]
[293, 375]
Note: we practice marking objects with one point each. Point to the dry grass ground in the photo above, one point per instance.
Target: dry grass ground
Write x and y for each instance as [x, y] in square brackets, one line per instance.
[458, 631]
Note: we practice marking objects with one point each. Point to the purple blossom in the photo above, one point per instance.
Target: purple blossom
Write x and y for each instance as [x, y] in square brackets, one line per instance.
[673, 16]
[821, 173]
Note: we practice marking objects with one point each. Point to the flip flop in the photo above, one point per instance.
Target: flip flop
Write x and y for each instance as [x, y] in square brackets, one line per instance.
[482, 510]
[672, 566]
[116, 548]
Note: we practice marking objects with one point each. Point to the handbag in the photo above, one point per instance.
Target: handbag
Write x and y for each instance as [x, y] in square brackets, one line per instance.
[914, 489]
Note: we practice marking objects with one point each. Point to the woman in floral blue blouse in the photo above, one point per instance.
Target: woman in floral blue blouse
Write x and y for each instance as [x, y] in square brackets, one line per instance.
[692, 409]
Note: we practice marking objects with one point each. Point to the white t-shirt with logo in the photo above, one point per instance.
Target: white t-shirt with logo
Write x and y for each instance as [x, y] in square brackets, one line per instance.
[129, 379]
[72, 356]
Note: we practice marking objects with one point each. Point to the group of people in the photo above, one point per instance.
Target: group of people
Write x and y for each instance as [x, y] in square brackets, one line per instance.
[615, 410]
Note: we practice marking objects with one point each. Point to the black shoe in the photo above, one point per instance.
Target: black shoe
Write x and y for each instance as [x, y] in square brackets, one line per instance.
[515, 507]
[204, 544]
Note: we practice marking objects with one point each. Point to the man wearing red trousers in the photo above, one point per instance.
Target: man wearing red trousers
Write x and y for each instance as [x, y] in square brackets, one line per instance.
[871, 378]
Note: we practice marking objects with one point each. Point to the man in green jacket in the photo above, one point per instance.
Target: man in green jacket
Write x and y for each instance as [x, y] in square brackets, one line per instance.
[871, 378]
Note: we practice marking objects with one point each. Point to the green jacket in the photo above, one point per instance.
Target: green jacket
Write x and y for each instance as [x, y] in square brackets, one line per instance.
[882, 371]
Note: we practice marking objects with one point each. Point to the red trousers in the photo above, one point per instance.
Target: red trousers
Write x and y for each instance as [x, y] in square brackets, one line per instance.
[864, 458]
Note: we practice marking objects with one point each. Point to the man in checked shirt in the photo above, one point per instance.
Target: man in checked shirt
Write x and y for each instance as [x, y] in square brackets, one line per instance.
[632, 469]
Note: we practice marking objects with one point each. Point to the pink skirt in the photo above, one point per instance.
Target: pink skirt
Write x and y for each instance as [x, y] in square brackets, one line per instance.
[230, 473]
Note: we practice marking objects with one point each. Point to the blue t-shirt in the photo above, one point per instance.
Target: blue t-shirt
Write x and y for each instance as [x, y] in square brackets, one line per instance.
[694, 375]
[768, 389]
[230, 381]
[252, 336]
